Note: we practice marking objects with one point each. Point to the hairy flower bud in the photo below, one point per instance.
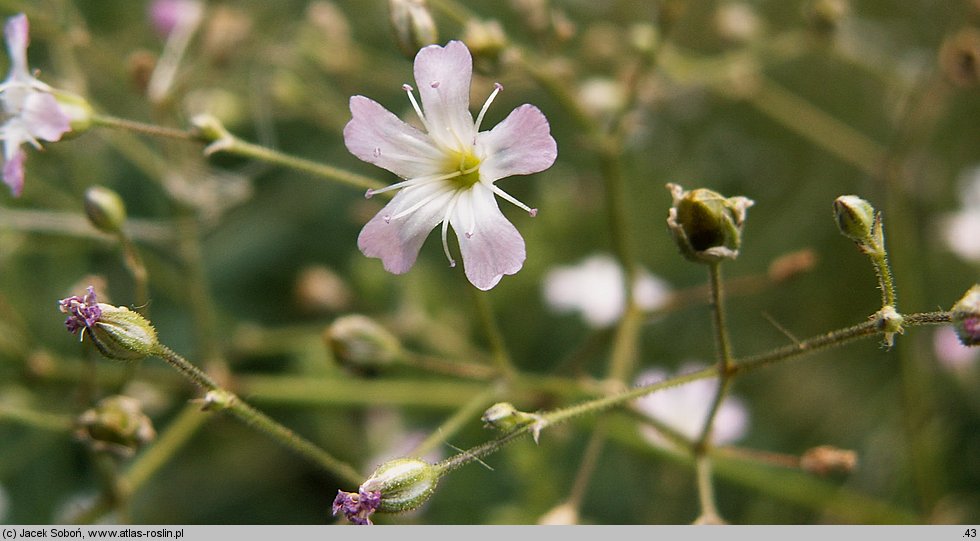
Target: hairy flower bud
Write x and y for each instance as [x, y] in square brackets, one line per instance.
[116, 424]
[360, 342]
[966, 317]
[404, 484]
[412, 24]
[105, 209]
[504, 416]
[118, 332]
[706, 226]
[855, 217]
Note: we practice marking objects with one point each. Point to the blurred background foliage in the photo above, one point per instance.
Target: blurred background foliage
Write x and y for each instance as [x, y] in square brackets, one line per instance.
[790, 103]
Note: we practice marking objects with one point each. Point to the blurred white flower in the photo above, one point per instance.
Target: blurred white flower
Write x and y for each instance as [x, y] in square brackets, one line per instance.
[960, 229]
[596, 288]
[952, 354]
[4, 505]
[684, 408]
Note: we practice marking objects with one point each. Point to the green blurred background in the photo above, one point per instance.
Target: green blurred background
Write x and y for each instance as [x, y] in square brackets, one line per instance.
[734, 111]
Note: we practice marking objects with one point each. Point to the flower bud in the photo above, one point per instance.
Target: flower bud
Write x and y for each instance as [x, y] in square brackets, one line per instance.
[825, 459]
[360, 342]
[116, 424]
[855, 217]
[105, 209]
[825, 15]
[404, 484]
[966, 317]
[486, 40]
[118, 332]
[706, 226]
[412, 25]
[504, 416]
[210, 130]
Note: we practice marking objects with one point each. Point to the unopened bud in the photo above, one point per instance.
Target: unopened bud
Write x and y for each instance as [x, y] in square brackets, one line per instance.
[825, 15]
[825, 459]
[504, 416]
[412, 24]
[360, 342]
[105, 209]
[210, 130]
[855, 217]
[116, 424]
[966, 317]
[118, 332]
[707, 227]
[404, 484]
[486, 40]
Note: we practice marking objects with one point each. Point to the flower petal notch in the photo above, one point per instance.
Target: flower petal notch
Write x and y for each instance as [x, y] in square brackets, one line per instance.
[449, 169]
[31, 109]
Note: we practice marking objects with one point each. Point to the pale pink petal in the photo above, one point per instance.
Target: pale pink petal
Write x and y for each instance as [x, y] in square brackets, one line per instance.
[397, 240]
[43, 117]
[13, 172]
[377, 136]
[443, 76]
[490, 245]
[16, 34]
[520, 145]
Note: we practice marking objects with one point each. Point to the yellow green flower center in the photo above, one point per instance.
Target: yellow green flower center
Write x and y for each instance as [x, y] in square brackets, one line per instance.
[468, 166]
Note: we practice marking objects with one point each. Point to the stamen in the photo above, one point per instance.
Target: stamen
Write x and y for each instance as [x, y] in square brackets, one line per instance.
[415, 105]
[497, 87]
[445, 228]
[412, 182]
[424, 201]
[377, 152]
[369, 193]
[434, 84]
[507, 197]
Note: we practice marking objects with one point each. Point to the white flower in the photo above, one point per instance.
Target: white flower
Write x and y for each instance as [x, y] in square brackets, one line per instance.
[951, 353]
[596, 288]
[449, 169]
[685, 408]
[30, 110]
[961, 230]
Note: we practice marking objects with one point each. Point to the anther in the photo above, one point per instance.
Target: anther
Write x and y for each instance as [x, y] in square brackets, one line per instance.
[369, 194]
[434, 84]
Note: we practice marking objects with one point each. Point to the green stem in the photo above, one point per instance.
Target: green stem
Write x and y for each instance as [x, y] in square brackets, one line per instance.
[178, 433]
[251, 416]
[35, 419]
[230, 144]
[107, 121]
[497, 344]
[722, 342]
[137, 269]
[706, 492]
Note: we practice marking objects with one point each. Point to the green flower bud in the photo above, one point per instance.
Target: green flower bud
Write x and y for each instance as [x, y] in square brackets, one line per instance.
[116, 424]
[966, 317]
[118, 332]
[359, 342]
[504, 416]
[890, 322]
[123, 334]
[855, 218]
[77, 108]
[210, 130]
[706, 226]
[105, 209]
[486, 40]
[404, 484]
[412, 25]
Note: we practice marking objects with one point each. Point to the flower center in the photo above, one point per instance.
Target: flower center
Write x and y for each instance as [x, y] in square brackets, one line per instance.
[468, 166]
